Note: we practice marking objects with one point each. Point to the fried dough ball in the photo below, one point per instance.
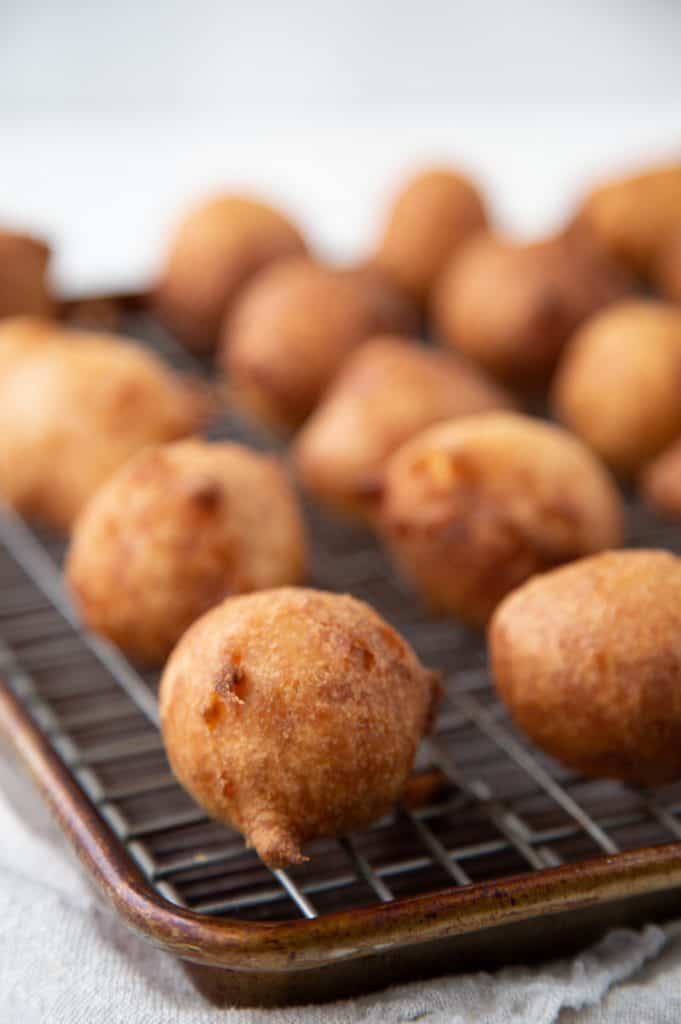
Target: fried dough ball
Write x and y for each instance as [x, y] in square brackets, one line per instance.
[618, 383]
[631, 217]
[429, 219]
[587, 659]
[292, 329]
[74, 407]
[474, 506]
[19, 335]
[666, 273]
[511, 307]
[175, 531]
[293, 714]
[24, 288]
[386, 392]
[217, 248]
[660, 482]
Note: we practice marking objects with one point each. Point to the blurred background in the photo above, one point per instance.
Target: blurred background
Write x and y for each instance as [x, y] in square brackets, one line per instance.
[115, 116]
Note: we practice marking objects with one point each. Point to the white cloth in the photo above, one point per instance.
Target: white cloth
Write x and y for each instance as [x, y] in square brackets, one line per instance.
[66, 960]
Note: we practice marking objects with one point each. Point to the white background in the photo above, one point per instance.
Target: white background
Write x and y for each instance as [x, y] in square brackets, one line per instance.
[114, 115]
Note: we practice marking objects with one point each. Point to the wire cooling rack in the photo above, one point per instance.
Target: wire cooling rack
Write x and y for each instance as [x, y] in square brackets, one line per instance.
[499, 808]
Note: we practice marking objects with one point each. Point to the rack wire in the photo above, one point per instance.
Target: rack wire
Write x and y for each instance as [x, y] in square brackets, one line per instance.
[499, 808]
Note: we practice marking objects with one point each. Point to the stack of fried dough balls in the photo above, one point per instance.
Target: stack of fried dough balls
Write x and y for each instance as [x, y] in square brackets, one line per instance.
[474, 506]
[294, 326]
[175, 531]
[429, 219]
[293, 714]
[74, 406]
[588, 660]
[386, 391]
[618, 384]
[511, 307]
[24, 287]
[216, 249]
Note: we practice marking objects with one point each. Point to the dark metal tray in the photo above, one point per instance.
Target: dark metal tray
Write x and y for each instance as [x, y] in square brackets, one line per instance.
[511, 858]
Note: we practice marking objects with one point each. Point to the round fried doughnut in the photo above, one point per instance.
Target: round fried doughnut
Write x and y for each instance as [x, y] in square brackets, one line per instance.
[293, 714]
[587, 659]
[472, 507]
[175, 531]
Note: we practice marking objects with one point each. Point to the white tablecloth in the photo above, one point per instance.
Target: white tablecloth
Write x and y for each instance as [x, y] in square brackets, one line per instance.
[64, 959]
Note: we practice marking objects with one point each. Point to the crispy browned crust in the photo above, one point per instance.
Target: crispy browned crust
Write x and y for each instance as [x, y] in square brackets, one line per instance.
[293, 714]
[24, 286]
[292, 329]
[618, 384]
[175, 531]
[386, 391]
[429, 218]
[511, 307]
[216, 249]
[588, 660]
[631, 217]
[473, 507]
[74, 406]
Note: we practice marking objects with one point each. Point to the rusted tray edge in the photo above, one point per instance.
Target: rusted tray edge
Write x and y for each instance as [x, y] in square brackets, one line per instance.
[282, 946]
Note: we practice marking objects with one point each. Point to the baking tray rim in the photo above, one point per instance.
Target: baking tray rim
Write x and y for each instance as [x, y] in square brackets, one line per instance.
[341, 935]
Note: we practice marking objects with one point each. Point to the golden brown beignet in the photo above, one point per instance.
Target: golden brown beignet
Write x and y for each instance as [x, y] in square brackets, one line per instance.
[429, 218]
[474, 506]
[24, 287]
[631, 217]
[292, 714]
[175, 531]
[216, 249]
[588, 661]
[618, 383]
[511, 307]
[386, 391]
[74, 406]
[292, 329]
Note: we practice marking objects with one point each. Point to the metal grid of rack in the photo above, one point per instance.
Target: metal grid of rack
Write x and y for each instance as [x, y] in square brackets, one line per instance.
[500, 808]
